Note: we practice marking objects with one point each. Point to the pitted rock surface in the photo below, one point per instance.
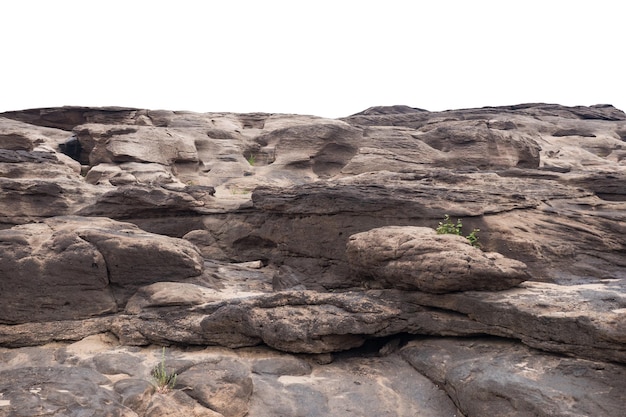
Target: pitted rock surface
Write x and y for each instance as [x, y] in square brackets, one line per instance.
[290, 266]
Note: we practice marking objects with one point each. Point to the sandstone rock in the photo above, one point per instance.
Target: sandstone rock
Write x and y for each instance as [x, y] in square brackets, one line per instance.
[323, 147]
[288, 279]
[585, 320]
[177, 404]
[39, 333]
[417, 258]
[224, 386]
[136, 201]
[351, 387]
[136, 394]
[207, 244]
[132, 173]
[96, 261]
[497, 377]
[543, 183]
[163, 294]
[281, 365]
[68, 117]
[16, 135]
[294, 321]
[124, 143]
[478, 144]
[50, 391]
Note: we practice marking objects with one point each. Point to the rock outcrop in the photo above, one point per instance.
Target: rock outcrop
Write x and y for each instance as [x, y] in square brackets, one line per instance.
[290, 264]
[417, 258]
[68, 268]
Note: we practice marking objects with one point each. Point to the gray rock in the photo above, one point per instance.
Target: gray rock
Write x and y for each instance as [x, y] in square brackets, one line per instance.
[501, 378]
[177, 404]
[224, 386]
[136, 393]
[543, 183]
[53, 391]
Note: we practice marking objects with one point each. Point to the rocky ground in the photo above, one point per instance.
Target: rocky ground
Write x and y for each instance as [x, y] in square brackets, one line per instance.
[290, 267]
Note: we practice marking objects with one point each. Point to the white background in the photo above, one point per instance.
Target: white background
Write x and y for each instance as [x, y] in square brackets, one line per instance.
[327, 58]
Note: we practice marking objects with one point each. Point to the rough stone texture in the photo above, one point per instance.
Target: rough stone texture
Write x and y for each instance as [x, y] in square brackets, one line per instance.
[271, 201]
[95, 261]
[585, 320]
[500, 378]
[122, 143]
[255, 382]
[417, 258]
[54, 391]
[224, 386]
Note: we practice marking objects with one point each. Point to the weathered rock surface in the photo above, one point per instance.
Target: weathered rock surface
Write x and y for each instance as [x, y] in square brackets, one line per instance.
[311, 237]
[495, 377]
[78, 267]
[417, 258]
[77, 379]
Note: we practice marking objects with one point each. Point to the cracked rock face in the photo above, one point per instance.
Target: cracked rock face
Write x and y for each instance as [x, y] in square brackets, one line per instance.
[290, 265]
[76, 267]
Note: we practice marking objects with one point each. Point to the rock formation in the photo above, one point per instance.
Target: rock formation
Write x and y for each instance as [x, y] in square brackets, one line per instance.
[290, 264]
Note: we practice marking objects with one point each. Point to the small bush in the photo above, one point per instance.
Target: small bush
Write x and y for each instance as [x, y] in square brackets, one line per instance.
[447, 227]
[162, 380]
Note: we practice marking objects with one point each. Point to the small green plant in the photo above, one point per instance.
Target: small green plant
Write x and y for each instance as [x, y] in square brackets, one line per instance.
[251, 159]
[473, 238]
[162, 380]
[240, 191]
[447, 227]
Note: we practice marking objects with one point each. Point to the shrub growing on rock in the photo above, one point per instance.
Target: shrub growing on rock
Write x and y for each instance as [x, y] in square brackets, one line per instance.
[447, 227]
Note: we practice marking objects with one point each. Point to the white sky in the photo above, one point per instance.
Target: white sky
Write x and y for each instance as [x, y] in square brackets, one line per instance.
[327, 58]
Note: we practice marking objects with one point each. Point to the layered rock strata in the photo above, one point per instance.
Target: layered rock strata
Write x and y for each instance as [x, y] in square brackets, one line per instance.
[295, 255]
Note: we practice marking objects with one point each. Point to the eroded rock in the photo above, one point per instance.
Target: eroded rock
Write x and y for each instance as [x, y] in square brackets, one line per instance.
[417, 258]
[542, 182]
[96, 261]
[497, 377]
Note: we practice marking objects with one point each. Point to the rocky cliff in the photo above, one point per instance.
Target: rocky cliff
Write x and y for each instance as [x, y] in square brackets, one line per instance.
[291, 266]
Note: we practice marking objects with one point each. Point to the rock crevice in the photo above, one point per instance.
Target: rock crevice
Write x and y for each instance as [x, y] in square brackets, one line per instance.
[259, 247]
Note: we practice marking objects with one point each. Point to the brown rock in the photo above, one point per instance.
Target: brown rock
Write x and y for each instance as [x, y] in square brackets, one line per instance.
[59, 390]
[177, 404]
[417, 258]
[84, 257]
[501, 378]
[124, 143]
[224, 386]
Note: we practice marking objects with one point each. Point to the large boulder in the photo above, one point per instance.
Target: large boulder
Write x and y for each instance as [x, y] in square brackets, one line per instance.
[76, 267]
[124, 143]
[417, 258]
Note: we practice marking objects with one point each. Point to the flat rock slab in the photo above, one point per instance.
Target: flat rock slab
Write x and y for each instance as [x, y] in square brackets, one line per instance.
[492, 377]
[351, 387]
[58, 390]
[70, 380]
[587, 320]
